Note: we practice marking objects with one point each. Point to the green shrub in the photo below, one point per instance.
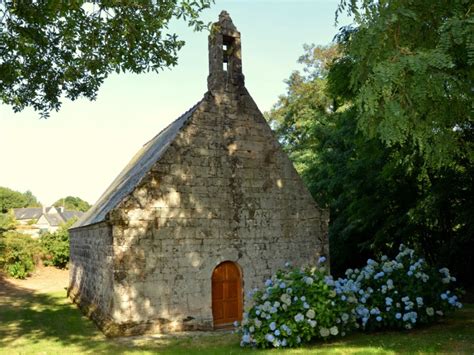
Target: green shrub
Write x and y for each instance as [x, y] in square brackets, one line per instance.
[18, 253]
[56, 248]
[299, 305]
[401, 293]
[295, 306]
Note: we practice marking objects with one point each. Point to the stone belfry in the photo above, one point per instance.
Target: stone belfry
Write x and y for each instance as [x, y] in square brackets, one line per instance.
[225, 57]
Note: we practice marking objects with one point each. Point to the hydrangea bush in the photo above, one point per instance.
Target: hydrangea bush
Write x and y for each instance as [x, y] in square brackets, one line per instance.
[401, 293]
[295, 306]
[298, 305]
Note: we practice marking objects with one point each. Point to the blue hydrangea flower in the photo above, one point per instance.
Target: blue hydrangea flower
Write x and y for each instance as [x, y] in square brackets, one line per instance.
[321, 260]
[299, 318]
[398, 315]
[379, 275]
[270, 338]
[272, 325]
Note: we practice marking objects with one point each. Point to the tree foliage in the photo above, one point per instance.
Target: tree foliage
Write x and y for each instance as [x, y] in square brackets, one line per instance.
[409, 69]
[303, 114]
[73, 203]
[7, 221]
[56, 246]
[19, 253]
[54, 48]
[391, 151]
[407, 73]
[14, 199]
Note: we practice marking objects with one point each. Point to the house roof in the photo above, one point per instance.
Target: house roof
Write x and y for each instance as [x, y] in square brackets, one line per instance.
[28, 213]
[67, 215]
[135, 170]
[54, 219]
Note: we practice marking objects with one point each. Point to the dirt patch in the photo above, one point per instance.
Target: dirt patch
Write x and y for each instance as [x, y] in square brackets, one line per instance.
[44, 279]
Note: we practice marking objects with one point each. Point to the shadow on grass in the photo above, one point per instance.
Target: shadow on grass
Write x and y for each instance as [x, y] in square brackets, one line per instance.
[49, 323]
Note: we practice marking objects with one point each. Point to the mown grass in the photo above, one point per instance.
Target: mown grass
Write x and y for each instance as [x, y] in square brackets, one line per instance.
[50, 324]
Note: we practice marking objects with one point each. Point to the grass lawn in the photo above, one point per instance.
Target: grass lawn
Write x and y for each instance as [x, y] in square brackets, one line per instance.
[48, 324]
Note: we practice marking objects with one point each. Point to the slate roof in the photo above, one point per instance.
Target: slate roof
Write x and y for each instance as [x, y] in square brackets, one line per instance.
[67, 215]
[28, 213]
[135, 170]
[54, 219]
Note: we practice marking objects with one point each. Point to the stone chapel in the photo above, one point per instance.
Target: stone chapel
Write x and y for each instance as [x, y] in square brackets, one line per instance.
[204, 212]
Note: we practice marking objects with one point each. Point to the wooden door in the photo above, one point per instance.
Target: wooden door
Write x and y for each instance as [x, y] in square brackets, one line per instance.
[226, 294]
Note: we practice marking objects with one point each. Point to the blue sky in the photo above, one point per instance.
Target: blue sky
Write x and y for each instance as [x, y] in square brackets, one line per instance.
[80, 149]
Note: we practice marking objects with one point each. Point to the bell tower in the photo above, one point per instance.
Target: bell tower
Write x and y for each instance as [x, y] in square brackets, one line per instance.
[225, 58]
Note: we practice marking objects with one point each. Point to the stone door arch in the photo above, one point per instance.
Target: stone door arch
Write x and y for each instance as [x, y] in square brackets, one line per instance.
[226, 294]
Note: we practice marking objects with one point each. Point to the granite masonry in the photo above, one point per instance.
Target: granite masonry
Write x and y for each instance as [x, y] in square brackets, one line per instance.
[213, 186]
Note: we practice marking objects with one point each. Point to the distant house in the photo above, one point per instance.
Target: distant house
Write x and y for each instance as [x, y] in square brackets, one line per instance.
[37, 220]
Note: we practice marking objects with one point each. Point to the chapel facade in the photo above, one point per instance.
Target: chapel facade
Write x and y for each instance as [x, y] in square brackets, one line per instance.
[205, 212]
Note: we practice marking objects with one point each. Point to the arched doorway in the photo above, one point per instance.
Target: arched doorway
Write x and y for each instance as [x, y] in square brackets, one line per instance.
[226, 294]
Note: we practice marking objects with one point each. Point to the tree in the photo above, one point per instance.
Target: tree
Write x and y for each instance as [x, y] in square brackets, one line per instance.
[7, 222]
[409, 69]
[406, 141]
[54, 48]
[56, 245]
[31, 200]
[14, 199]
[303, 113]
[73, 203]
[384, 184]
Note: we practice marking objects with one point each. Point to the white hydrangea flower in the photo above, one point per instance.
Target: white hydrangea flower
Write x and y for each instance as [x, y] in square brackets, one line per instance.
[310, 314]
[286, 299]
[430, 311]
[334, 330]
[324, 332]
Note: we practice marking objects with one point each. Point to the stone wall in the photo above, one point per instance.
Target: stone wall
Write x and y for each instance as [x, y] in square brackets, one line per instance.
[224, 190]
[90, 271]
